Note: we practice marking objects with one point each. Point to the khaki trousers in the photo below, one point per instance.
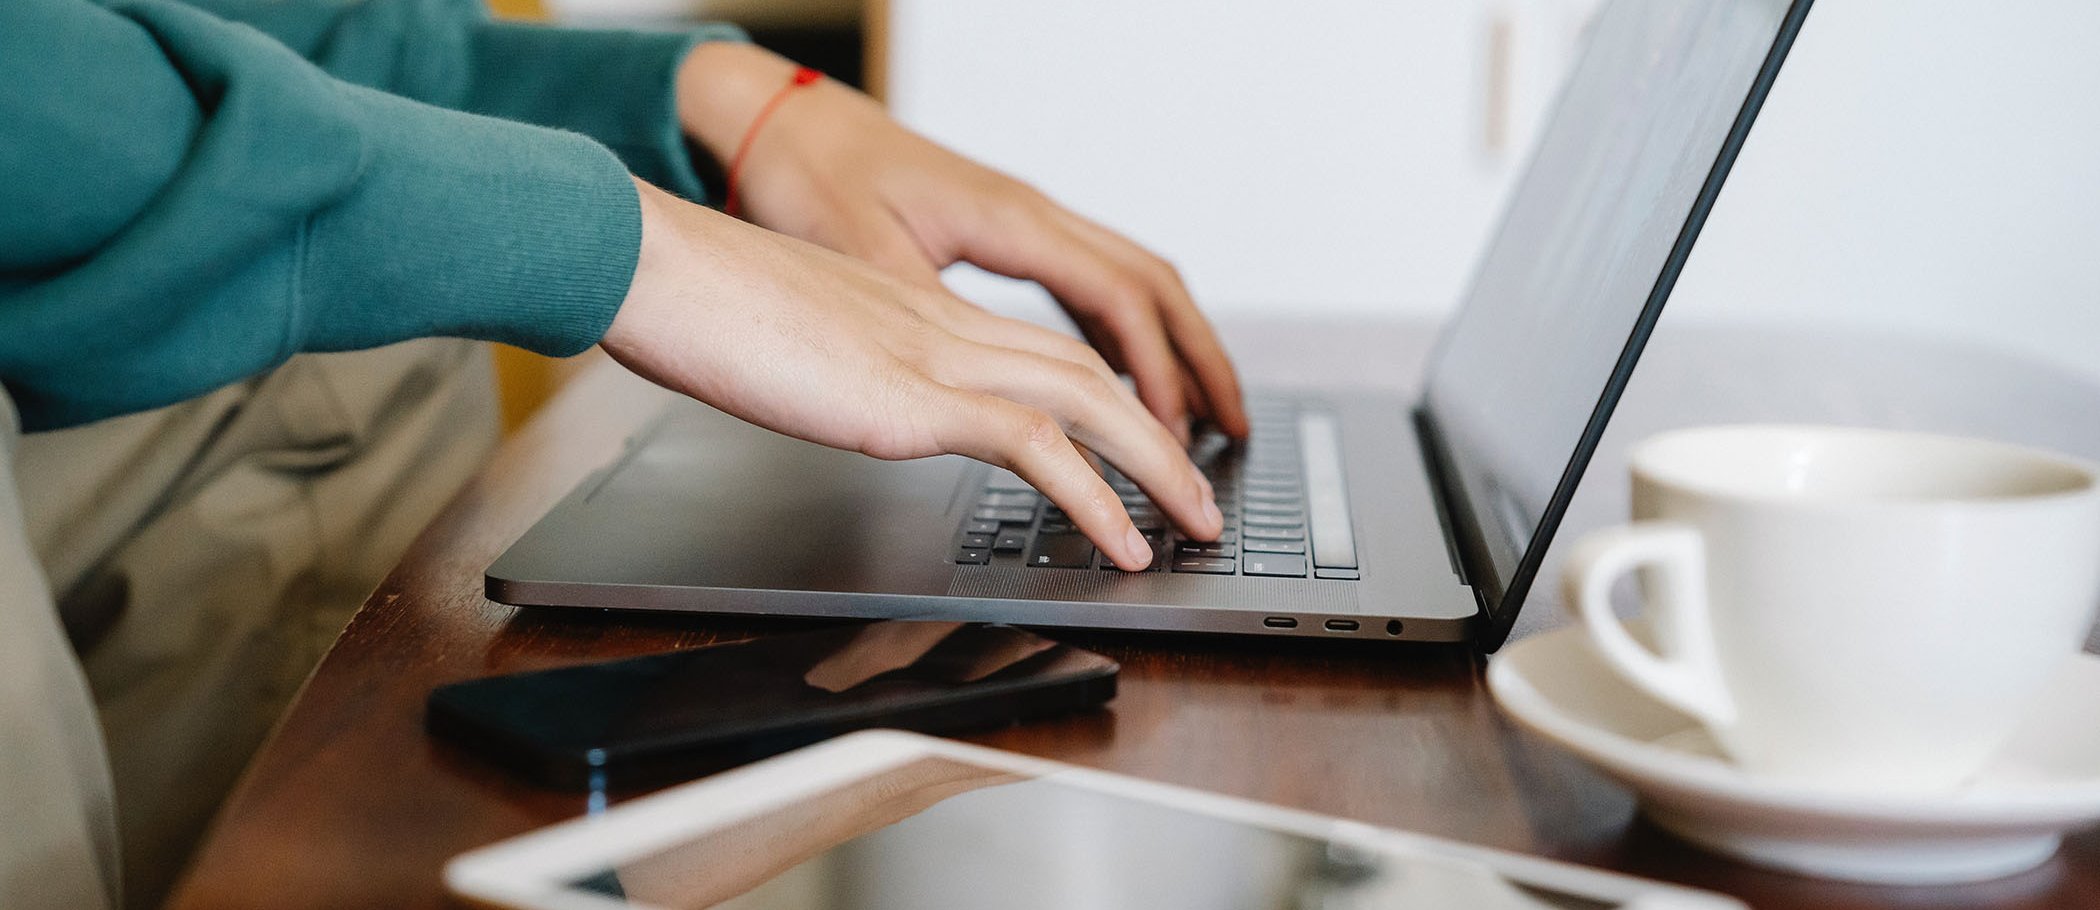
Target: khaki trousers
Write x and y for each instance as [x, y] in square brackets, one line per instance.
[176, 574]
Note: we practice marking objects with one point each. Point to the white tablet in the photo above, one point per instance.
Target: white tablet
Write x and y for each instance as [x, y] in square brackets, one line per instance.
[896, 821]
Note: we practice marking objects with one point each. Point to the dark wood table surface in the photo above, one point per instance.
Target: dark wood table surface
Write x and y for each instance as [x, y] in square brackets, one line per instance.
[350, 804]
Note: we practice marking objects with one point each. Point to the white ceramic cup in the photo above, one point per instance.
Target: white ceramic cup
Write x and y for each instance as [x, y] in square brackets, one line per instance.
[1855, 609]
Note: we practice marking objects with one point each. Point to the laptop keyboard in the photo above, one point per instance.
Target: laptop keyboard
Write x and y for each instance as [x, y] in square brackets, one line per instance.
[1282, 493]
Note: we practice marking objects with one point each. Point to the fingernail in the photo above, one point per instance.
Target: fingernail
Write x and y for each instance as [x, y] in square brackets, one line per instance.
[1211, 513]
[1139, 550]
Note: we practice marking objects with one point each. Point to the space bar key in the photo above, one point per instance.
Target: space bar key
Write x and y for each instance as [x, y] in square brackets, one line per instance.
[1326, 495]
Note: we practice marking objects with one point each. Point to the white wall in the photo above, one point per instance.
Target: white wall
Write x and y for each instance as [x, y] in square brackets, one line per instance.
[1924, 165]
[1334, 155]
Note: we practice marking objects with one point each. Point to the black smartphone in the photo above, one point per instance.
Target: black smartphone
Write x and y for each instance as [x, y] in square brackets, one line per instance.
[649, 720]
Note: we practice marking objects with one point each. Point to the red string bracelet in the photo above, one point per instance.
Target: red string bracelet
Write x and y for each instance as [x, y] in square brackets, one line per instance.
[803, 76]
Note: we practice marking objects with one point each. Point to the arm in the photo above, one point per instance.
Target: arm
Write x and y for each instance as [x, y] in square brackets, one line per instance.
[833, 169]
[184, 202]
[614, 85]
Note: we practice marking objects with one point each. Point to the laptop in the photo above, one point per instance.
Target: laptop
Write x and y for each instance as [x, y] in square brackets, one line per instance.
[1348, 515]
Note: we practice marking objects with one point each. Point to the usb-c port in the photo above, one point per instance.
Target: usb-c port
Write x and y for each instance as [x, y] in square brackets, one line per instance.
[1280, 622]
[1341, 625]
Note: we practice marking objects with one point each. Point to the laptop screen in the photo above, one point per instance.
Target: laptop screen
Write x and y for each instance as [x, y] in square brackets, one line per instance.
[1594, 236]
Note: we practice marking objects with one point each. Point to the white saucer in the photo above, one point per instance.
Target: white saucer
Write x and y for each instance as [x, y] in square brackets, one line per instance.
[2010, 819]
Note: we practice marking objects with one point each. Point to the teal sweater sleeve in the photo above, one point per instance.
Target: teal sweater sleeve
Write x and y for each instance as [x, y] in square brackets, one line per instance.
[185, 201]
[615, 86]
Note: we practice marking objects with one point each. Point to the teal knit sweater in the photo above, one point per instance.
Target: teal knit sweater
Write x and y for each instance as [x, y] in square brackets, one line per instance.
[190, 194]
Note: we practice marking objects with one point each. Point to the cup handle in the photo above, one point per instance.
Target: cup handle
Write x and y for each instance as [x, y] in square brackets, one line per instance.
[1686, 673]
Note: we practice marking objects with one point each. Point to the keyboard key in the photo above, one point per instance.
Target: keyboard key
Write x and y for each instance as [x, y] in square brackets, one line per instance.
[1273, 521]
[1256, 531]
[980, 526]
[1158, 541]
[1007, 516]
[1210, 442]
[1278, 564]
[1275, 530]
[1007, 499]
[1010, 542]
[976, 541]
[1338, 574]
[1258, 545]
[971, 556]
[1062, 551]
[1057, 527]
[1202, 548]
[1203, 565]
[1333, 540]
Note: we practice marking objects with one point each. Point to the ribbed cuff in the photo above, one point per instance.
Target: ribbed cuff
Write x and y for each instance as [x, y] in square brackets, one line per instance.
[471, 227]
[616, 86]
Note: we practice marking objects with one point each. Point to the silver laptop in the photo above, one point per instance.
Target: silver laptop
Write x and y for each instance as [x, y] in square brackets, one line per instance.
[1347, 516]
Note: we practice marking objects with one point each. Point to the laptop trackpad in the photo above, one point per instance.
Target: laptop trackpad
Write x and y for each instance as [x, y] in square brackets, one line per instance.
[710, 501]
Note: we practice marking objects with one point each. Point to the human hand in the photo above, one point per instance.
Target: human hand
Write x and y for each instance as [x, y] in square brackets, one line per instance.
[826, 348]
[832, 168]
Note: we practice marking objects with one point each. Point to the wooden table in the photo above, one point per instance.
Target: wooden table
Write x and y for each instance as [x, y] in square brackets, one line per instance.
[350, 804]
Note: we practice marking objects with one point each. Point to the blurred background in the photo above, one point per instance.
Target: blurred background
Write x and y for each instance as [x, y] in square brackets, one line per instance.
[1923, 167]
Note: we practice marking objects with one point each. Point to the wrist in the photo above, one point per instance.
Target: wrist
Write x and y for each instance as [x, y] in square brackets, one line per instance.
[722, 86]
[652, 264]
